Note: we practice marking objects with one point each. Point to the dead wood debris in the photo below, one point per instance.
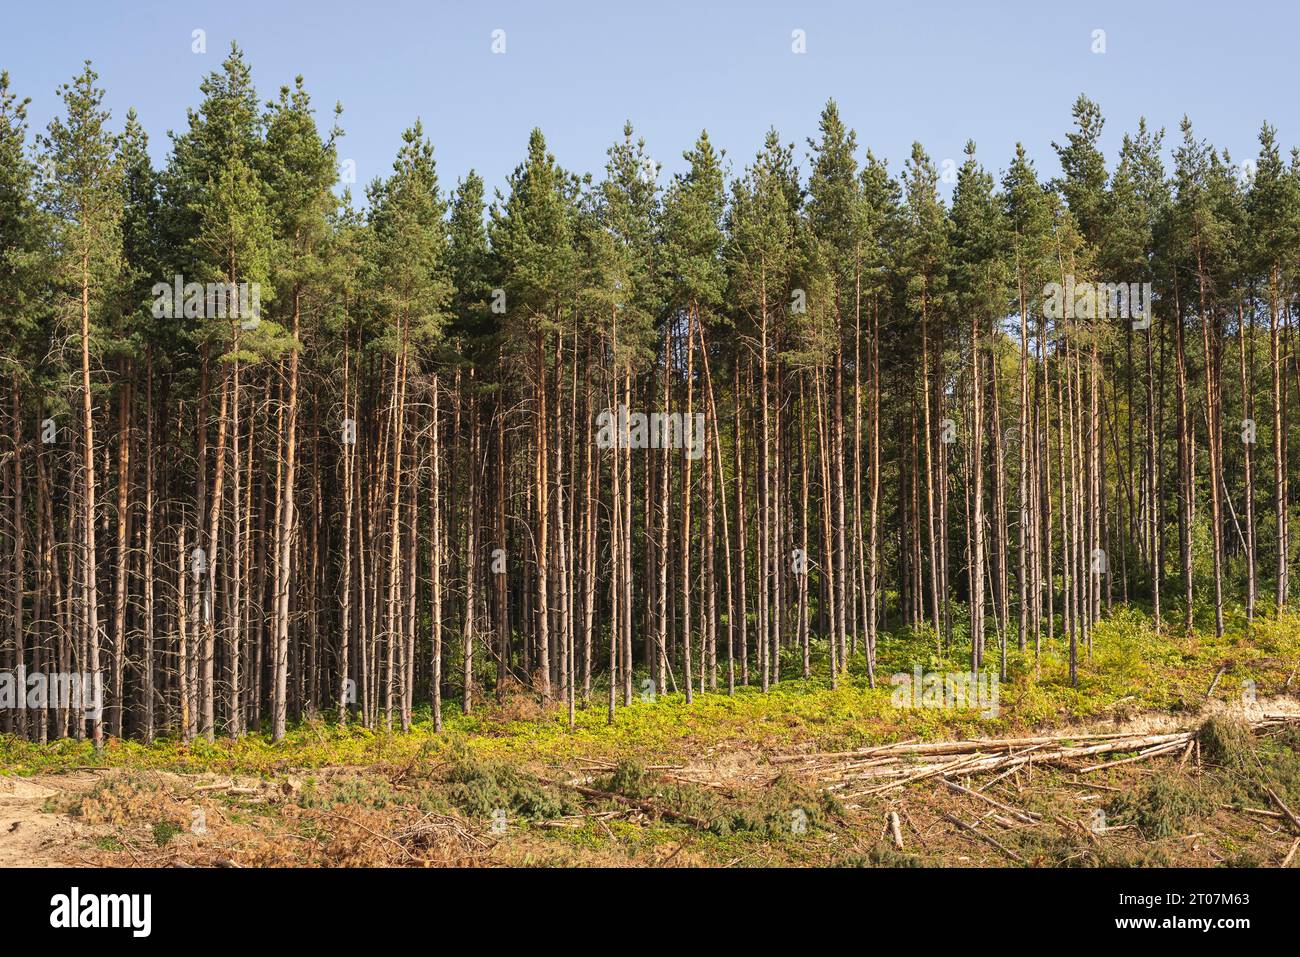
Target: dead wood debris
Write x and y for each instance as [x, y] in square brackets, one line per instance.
[874, 770]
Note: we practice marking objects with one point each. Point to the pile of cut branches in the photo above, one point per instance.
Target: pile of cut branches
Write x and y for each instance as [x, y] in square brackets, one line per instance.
[874, 770]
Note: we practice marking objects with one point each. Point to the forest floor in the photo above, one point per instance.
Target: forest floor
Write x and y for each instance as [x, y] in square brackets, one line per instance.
[1172, 751]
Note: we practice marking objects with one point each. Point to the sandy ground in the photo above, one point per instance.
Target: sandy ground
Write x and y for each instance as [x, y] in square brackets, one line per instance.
[33, 837]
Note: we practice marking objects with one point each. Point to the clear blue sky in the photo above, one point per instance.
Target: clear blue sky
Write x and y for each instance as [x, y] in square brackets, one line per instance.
[938, 72]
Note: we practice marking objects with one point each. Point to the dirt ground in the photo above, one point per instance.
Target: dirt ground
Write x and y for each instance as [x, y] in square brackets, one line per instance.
[31, 833]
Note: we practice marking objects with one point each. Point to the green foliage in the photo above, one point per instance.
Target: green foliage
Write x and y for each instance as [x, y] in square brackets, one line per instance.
[784, 809]
[164, 831]
[368, 792]
[1273, 207]
[1138, 197]
[469, 270]
[762, 230]
[227, 124]
[407, 259]
[23, 264]
[482, 787]
[82, 191]
[1084, 182]
[1226, 740]
[617, 236]
[980, 239]
[1163, 806]
[883, 854]
[135, 328]
[692, 231]
[532, 235]
[1132, 669]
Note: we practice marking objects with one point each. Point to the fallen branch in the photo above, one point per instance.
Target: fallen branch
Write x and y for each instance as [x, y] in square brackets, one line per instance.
[1029, 817]
[383, 837]
[646, 806]
[1215, 683]
[853, 773]
[984, 837]
[1290, 855]
[1140, 756]
[1290, 815]
[1252, 810]
[896, 829]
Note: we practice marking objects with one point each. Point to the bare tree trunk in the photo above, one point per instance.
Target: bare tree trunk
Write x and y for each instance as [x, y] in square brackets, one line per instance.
[1248, 440]
[284, 545]
[686, 512]
[89, 591]
[542, 504]
[435, 564]
[977, 497]
[1279, 446]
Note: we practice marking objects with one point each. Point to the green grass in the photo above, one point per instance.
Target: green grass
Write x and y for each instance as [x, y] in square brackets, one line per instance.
[164, 831]
[1131, 669]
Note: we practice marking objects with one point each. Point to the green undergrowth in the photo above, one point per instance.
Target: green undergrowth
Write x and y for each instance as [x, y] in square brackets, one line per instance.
[1129, 669]
[465, 782]
[783, 809]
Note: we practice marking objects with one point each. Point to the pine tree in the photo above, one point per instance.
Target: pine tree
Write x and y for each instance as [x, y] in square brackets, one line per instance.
[24, 273]
[836, 225]
[1028, 210]
[694, 281]
[84, 194]
[924, 258]
[761, 253]
[980, 285]
[1273, 207]
[411, 292]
